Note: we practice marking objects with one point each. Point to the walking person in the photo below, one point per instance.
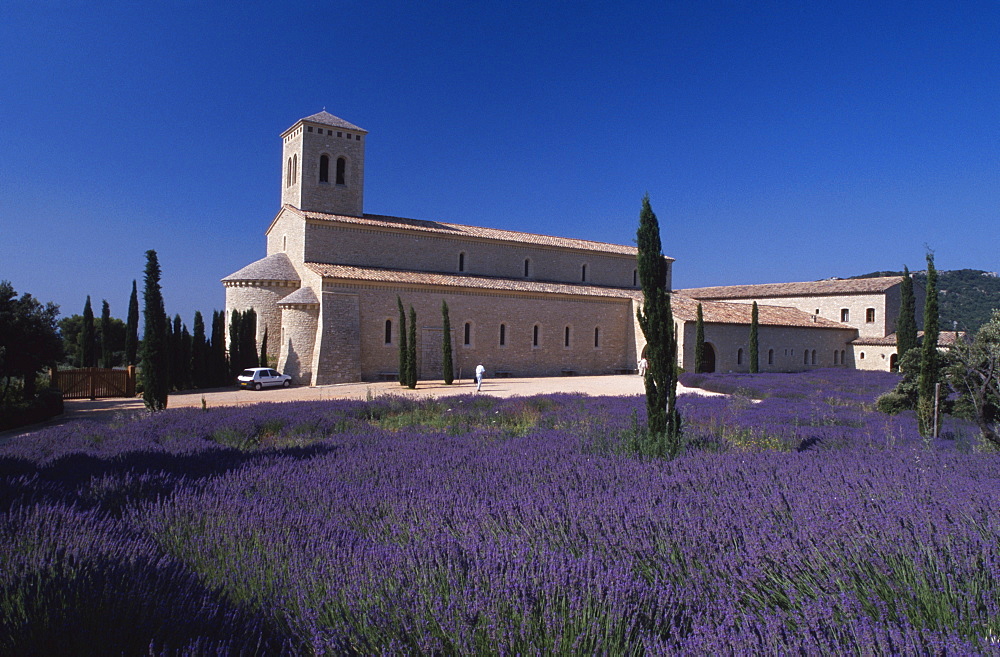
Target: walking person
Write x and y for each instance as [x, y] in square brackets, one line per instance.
[643, 366]
[480, 371]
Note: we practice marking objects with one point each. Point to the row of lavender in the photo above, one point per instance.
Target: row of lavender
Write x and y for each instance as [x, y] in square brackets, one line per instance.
[800, 522]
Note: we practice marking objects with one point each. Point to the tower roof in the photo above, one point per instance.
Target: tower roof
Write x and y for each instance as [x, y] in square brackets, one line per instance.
[325, 118]
[275, 267]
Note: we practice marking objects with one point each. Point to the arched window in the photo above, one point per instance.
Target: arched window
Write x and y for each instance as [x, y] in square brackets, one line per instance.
[583, 273]
[503, 334]
[597, 337]
[843, 357]
[527, 267]
[635, 277]
[739, 356]
[836, 357]
[295, 168]
[341, 171]
[861, 356]
[805, 357]
[566, 337]
[461, 261]
[468, 334]
[770, 356]
[813, 356]
[288, 173]
[324, 168]
[388, 331]
[534, 335]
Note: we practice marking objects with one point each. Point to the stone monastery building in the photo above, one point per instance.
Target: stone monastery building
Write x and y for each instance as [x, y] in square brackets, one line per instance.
[521, 304]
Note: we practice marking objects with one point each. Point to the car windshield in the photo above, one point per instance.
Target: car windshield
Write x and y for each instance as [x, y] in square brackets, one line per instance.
[248, 373]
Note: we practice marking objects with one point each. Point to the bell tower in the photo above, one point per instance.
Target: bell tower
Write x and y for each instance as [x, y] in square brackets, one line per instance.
[323, 165]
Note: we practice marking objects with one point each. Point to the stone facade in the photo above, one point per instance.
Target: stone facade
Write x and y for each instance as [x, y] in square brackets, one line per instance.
[520, 303]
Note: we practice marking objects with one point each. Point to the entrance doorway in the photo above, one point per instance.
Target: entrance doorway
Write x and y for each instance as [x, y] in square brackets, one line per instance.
[708, 359]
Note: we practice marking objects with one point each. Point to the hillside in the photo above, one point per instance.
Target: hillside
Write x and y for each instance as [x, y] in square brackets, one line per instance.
[967, 296]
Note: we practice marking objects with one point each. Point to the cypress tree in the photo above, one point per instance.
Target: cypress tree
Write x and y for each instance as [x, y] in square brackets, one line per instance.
[235, 358]
[178, 363]
[906, 325]
[699, 342]
[754, 342]
[88, 342]
[184, 360]
[199, 353]
[248, 336]
[411, 351]
[447, 365]
[263, 349]
[132, 328]
[219, 364]
[929, 357]
[105, 335]
[169, 350]
[404, 353]
[154, 374]
[656, 321]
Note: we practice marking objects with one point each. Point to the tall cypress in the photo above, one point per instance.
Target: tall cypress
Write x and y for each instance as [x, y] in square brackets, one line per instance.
[199, 353]
[235, 332]
[106, 335]
[404, 353]
[169, 350]
[184, 359]
[906, 324]
[178, 363]
[411, 351]
[263, 349]
[656, 321]
[154, 375]
[219, 364]
[132, 328]
[447, 365]
[88, 342]
[929, 357]
[754, 342]
[699, 342]
[248, 337]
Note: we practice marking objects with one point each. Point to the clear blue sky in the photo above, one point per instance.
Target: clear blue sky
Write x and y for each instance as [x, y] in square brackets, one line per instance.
[777, 141]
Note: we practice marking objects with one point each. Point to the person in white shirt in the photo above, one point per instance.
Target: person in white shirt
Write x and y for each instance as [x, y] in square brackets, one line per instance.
[480, 371]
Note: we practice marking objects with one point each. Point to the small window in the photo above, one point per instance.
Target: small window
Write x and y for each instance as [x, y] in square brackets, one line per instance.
[534, 335]
[461, 261]
[861, 356]
[329, 132]
[805, 357]
[324, 168]
[739, 356]
[817, 312]
[309, 129]
[341, 171]
[503, 335]
[635, 277]
[845, 315]
[597, 337]
[527, 267]
[583, 273]
[468, 334]
[288, 173]
[284, 242]
[295, 168]
[813, 356]
[770, 356]
[388, 331]
[566, 337]
[870, 315]
[836, 357]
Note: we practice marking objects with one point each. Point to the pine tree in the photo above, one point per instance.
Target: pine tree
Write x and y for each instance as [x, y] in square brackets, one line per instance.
[88, 342]
[106, 335]
[132, 328]
[404, 353]
[754, 342]
[927, 384]
[154, 375]
[448, 366]
[411, 351]
[263, 349]
[906, 325]
[656, 321]
[199, 353]
[699, 342]
[235, 331]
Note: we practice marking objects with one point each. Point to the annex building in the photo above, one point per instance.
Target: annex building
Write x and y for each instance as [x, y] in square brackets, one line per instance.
[520, 303]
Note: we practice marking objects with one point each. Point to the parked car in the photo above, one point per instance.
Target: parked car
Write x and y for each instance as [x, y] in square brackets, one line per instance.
[262, 377]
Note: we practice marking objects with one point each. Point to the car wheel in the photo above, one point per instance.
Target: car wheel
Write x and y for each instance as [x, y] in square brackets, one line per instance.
[256, 386]
[286, 383]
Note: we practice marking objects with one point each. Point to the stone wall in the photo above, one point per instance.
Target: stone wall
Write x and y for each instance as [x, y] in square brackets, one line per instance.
[263, 297]
[307, 143]
[339, 244]
[297, 341]
[337, 356]
[884, 305]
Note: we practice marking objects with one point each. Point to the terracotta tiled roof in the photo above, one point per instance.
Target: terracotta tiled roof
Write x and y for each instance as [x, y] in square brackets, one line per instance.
[380, 275]
[945, 339]
[460, 231]
[275, 267]
[301, 296]
[326, 118]
[771, 290]
[718, 312]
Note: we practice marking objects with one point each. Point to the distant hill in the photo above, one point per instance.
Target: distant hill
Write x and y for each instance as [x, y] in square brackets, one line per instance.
[967, 296]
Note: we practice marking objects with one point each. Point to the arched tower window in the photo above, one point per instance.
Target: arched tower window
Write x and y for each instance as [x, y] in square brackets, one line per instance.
[295, 168]
[527, 267]
[635, 277]
[288, 173]
[461, 261]
[341, 171]
[324, 168]
[388, 331]
[583, 273]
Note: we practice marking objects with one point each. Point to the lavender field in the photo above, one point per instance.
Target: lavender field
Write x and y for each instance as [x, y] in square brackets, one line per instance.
[797, 521]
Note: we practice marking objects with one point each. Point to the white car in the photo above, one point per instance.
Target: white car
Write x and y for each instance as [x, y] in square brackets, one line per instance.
[262, 377]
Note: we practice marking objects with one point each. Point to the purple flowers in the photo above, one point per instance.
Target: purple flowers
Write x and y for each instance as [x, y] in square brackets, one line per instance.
[479, 525]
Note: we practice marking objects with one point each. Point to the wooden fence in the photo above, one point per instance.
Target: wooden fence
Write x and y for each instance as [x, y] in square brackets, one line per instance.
[94, 382]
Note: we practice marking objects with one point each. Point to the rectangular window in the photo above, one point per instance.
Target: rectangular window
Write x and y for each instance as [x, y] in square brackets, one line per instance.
[845, 315]
[566, 339]
[503, 335]
[534, 336]
[597, 337]
[870, 315]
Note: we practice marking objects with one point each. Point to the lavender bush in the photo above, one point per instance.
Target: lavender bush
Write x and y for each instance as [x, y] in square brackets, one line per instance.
[799, 520]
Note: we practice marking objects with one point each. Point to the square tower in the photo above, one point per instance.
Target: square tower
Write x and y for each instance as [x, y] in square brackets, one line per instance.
[323, 165]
